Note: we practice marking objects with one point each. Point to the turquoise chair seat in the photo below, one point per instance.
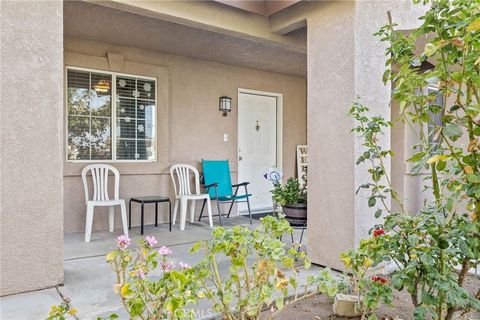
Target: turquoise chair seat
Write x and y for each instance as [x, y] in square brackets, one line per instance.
[230, 198]
[218, 185]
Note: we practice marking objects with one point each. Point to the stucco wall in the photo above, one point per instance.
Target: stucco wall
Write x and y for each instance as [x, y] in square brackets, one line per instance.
[331, 173]
[369, 67]
[345, 60]
[31, 145]
[190, 127]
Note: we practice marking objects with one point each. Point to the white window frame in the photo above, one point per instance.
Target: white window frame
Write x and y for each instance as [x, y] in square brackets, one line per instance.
[113, 120]
[433, 86]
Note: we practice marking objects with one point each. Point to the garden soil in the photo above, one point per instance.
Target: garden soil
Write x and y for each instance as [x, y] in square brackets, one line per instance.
[320, 308]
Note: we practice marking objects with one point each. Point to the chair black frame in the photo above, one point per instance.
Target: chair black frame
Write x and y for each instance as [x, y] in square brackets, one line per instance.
[232, 202]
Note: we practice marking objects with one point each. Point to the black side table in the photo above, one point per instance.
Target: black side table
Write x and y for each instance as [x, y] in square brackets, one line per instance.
[149, 199]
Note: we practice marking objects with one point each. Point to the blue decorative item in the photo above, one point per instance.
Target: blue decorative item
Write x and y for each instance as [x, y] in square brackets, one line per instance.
[274, 175]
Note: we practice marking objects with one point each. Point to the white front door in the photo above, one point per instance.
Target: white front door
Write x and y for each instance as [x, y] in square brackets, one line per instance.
[257, 146]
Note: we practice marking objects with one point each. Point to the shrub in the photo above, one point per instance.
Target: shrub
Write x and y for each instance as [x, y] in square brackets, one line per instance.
[255, 276]
[289, 193]
[145, 295]
[328, 284]
[434, 248]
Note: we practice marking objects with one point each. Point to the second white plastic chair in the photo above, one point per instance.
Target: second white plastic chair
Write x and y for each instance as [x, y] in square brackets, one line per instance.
[181, 178]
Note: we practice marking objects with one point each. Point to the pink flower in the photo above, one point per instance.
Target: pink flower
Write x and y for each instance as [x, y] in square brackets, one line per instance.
[167, 266]
[164, 251]
[184, 265]
[140, 274]
[123, 242]
[151, 241]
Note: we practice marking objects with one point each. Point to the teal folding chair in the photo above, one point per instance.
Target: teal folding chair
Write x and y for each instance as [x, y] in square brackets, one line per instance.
[218, 184]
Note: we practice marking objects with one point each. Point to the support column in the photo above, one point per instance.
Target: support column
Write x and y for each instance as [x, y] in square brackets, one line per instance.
[331, 75]
[31, 125]
[345, 60]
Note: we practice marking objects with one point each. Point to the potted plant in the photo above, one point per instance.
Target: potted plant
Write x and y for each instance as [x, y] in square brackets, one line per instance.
[292, 197]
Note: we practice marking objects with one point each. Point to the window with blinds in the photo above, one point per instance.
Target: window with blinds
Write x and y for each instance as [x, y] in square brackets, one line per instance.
[110, 116]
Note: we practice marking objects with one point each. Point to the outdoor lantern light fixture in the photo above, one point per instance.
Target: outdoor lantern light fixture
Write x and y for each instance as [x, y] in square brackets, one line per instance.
[225, 105]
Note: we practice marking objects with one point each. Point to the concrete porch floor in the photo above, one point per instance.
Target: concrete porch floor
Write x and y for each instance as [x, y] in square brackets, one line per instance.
[89, 279]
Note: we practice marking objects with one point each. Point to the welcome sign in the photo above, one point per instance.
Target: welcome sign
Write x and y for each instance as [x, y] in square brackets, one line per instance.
[302, 162]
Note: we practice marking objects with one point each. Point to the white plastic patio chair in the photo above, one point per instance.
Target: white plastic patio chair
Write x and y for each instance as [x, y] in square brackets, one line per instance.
[180, 174]
[99, 174]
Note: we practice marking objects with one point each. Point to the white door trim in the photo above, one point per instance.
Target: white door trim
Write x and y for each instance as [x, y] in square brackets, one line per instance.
[279, 98]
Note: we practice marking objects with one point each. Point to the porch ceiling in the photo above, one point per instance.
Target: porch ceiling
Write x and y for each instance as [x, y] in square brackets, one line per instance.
[262, 7]
[99, 23]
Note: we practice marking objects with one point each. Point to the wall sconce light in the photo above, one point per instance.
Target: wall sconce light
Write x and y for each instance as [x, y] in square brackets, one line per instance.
[225, 105]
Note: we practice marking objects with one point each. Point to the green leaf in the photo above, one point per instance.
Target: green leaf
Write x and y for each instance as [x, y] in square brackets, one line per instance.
[417, 157]
[279, 303]
[430, 49]
[196, 246]
[308, 263]
[453, 131]
[293, 282]
[397, 281]
[442, 243]
[386, 75]
[427, 298]
[454, 108]
[378, 213]
[474, 25]
[441, 165]
[420, 313]
[136, 307]
[372, 201]
[360, 160]
[473, 178]
[403, 104]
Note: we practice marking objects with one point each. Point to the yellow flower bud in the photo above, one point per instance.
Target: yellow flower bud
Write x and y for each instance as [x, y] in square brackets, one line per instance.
[283, 283]
[110, 256]
[367, 262]
[125, 290]
[347, 261]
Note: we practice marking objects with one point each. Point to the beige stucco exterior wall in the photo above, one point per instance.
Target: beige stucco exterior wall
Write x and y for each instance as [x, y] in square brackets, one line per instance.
[411, 188]
[345, 60]
[190, 127]
[331, 173]
[31, 145]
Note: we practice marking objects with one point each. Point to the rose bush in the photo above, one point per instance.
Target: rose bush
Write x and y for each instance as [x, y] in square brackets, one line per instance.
[432, 249]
